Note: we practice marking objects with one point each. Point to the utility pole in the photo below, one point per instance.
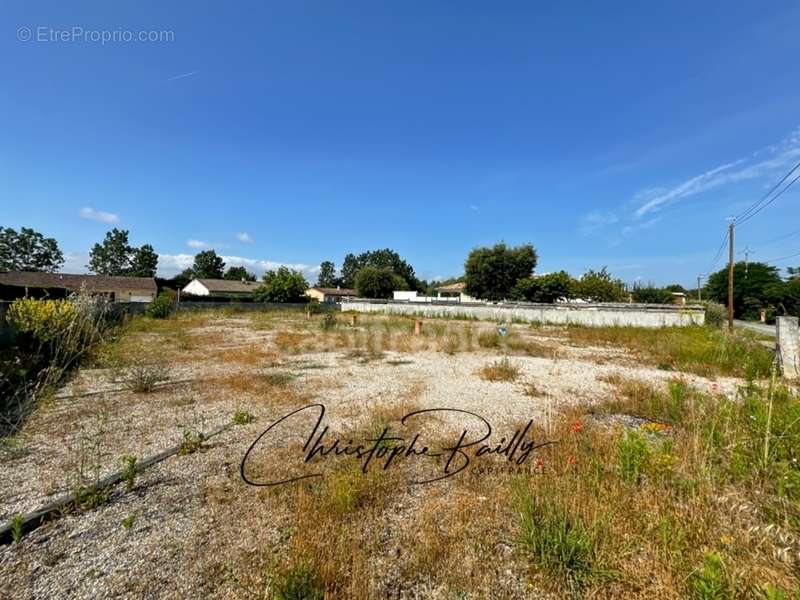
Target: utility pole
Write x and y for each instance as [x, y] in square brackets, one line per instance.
[730, 274]
[699, 294]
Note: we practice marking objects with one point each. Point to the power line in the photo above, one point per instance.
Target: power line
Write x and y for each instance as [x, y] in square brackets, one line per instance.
[778, 239]
[718, 254]
[748, 213]
[771, 200]
[782, 258]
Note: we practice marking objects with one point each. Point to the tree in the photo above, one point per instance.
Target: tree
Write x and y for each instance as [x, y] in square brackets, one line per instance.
[114, 256]
[238, 274]
[547, 288]
[145, 262]
[378, 282]
[600, 286]
[492, 273]
[283, 285]
[382, 259]
[650, 294]
[28, 250]
[754, 286]
[327, 275]
[207, 265]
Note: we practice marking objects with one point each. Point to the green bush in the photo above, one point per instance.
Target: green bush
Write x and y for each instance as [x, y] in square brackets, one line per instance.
[301, 582]
[284, 285]
[163, 306]
[633, 452]
[378, 282]
[711, 581]
[556, 541]
[716, 314]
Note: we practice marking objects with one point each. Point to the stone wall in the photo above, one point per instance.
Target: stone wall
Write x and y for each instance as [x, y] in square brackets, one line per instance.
[600, 314]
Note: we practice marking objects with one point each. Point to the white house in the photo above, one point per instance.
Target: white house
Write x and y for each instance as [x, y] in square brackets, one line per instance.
[454, 293]
[220, 287]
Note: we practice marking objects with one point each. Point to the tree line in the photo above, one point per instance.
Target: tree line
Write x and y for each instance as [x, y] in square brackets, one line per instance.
[494, 273]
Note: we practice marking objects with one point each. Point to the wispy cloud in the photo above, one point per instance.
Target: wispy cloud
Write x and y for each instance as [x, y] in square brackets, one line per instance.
[172, 264]
[183, 75]
[473, 207]
[87, 212]
[198, 244]
[244, 237]
[596, 221]
[742, 169]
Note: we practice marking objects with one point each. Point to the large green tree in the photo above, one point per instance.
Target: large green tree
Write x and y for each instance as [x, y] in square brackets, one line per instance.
[754, 286]
[238, 274]
[145, 262]
[492, 273]
[547, 288]
[378, 282]
[114, 255]
[600, 286]
[381, 259]
[327, 275]
[28, 250]
[282, 285]
[207, 265]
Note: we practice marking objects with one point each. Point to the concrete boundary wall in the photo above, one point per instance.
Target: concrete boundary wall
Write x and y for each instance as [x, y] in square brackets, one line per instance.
[593, 315]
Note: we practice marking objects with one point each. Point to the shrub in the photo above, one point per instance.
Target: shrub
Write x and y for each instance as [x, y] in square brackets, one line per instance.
[284, 285]
[163, 306]
[634, 452]
[500, 370]
[41, 321]
[52, 336]
[301, 582]
[129, 470]
[711, 581]
[242, 417]
[557, 542]
[328, 321]
[716, 314]
[142, 378]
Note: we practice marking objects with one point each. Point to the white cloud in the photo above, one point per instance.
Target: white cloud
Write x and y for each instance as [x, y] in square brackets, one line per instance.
[197, 244]
[183, 75]
[172, 264]
[87, 212]
[780, 155]
[473, 207]
[244, 237]
[596, 221]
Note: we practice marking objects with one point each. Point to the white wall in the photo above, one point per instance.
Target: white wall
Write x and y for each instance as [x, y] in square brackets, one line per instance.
[640, 315]
[195, 288]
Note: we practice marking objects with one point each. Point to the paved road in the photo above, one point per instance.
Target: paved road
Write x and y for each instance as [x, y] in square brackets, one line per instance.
[759, 327]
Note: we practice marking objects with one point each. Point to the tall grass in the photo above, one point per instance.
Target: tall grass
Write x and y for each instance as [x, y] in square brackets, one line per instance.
[696, 349]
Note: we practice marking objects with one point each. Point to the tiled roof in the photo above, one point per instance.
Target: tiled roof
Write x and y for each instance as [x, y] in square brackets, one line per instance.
[91, 283]
[336, 291]
[229, 285]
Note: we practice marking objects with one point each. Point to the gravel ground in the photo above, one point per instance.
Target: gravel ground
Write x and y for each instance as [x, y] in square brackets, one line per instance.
[178, 506]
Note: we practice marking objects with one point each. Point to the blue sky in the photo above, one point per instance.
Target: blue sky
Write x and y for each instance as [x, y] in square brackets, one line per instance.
[609, 133]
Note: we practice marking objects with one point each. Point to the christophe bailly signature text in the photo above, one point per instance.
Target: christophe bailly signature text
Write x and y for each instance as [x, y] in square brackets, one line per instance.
[386, 450]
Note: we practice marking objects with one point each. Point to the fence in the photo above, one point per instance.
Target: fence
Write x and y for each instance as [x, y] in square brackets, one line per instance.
[590, 314]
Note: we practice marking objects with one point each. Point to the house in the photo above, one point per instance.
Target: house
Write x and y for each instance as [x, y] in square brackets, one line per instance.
[220, 288]
[16, 284]
[323, 294]
[454, 292]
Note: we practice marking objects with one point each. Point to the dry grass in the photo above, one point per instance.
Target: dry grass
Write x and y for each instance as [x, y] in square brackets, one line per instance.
[500, 370]
[635, 500]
